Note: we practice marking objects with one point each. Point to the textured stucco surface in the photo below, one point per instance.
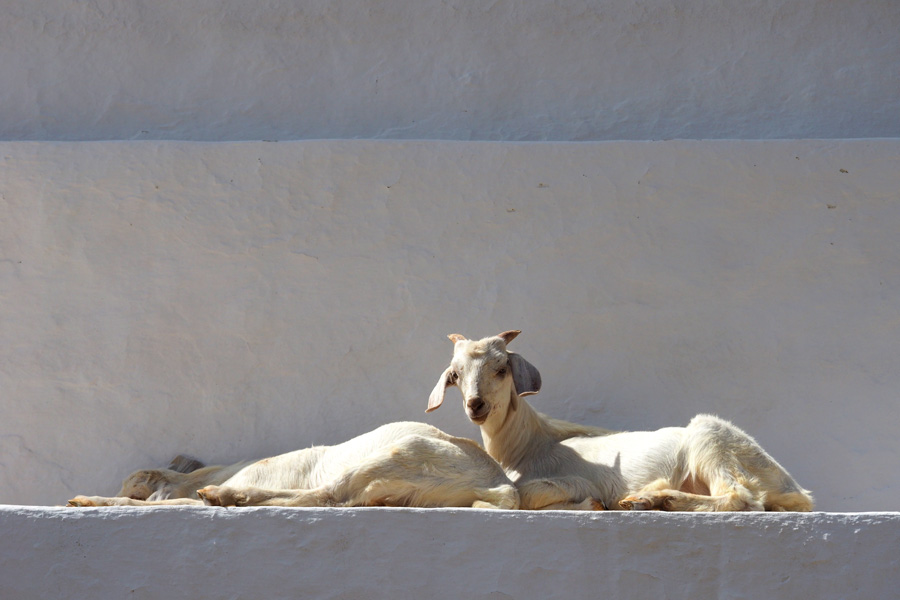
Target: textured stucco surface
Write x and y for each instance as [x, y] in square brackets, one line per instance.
[444, 553]
[237, 300]
[567, 70]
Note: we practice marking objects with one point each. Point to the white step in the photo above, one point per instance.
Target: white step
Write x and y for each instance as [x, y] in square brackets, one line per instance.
[383, 553]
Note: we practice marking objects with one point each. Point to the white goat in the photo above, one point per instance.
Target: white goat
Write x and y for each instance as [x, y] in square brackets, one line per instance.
[710, 465]
[399, 464]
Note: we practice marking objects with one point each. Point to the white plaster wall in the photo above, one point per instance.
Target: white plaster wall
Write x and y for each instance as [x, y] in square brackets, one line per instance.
[444, 553]
[566, 70]
[236, 300]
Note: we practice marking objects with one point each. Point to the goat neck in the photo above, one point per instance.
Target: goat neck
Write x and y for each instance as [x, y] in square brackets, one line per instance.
[510, 436]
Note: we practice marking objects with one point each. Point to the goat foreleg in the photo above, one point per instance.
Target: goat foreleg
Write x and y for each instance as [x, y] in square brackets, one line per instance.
[559, 493]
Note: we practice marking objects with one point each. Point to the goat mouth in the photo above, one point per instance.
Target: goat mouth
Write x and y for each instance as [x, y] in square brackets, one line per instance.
[478, 419]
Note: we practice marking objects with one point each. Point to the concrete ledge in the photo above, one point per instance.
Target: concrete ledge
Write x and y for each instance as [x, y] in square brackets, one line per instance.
[279, 70]
[442, 553]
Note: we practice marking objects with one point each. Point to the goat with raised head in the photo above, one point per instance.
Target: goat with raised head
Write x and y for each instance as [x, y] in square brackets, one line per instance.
[399, 464]
[709, 465]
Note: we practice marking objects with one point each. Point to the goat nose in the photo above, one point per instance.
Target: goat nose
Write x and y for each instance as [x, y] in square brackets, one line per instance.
[475, 404]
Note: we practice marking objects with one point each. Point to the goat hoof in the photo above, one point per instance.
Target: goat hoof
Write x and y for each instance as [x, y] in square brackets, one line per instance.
[80, 501]
[219, 495]
[597, 504]
[210, 495]
[636, 503]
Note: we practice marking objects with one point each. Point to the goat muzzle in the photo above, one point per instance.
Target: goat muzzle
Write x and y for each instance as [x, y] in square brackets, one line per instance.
[476, 410]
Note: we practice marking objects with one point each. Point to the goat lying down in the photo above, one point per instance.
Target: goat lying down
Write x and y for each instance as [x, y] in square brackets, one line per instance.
[399, 464]
[710, 465]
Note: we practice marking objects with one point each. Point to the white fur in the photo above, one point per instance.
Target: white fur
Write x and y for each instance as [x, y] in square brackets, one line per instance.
[710, 465]
[399, 464]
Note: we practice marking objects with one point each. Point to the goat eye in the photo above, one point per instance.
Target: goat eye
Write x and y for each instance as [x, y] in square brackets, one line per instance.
[501, 372]
[453, 377]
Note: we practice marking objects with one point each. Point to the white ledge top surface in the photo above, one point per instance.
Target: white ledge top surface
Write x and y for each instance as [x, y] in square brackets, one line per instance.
[206, 552]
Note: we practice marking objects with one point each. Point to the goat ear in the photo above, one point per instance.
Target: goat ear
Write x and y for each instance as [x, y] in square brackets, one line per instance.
[185, 464]
[526, 377]
[508, 336]
[437, 394]
[455, 337]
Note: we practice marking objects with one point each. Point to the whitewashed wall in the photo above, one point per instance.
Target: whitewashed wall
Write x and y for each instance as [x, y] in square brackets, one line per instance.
[567, 70]
[235, 300]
